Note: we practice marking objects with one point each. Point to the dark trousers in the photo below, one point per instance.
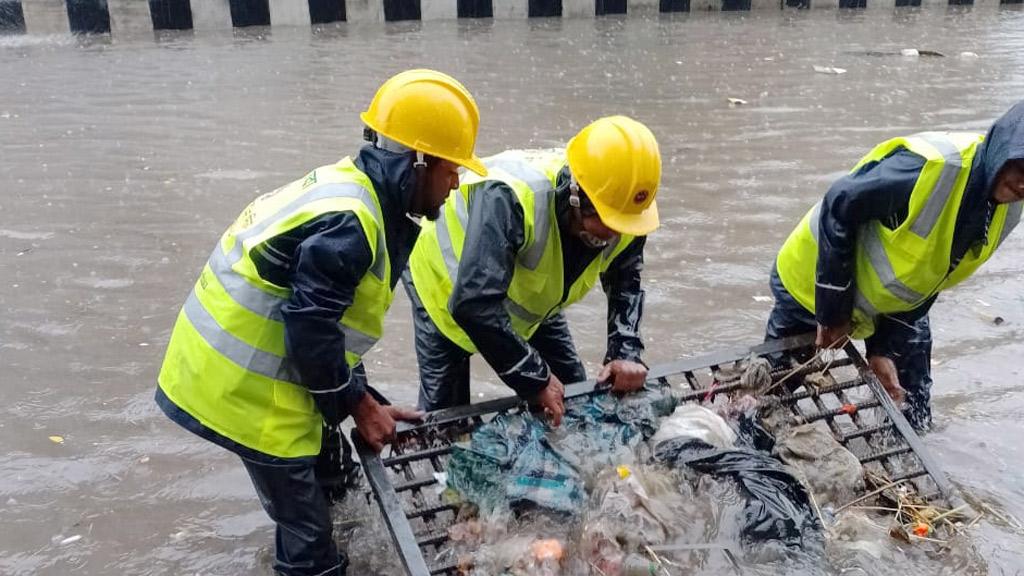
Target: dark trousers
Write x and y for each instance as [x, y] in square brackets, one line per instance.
[444, 366]
[295, 502]
[912, 355]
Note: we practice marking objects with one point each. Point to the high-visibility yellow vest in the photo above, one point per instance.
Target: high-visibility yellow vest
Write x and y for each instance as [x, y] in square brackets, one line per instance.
[226, 363]
[897, 270]
[537, 286]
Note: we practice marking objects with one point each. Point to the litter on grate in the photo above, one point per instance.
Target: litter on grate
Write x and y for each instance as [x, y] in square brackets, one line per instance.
[432, 529]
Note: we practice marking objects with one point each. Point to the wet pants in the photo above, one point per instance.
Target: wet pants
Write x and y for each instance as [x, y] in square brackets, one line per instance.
[912, 356]
[444, 365]
[295, 501]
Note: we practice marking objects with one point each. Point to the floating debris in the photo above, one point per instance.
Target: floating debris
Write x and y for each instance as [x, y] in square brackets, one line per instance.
[57, 439]
[71, 539]
[993, 319]
[911, 52]
[968, 55]
[829, 70]
[733, 102]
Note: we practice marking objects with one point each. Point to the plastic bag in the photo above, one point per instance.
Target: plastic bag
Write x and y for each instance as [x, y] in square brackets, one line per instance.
[777, 506]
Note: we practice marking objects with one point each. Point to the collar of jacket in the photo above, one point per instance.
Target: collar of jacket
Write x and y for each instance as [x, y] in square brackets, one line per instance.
[393, 179]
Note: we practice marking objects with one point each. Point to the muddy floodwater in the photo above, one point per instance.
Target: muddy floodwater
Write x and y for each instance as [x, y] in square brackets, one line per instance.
[122, 161]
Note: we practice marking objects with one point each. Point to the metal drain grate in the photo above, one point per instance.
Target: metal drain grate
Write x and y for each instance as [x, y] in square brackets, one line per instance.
[843, 392]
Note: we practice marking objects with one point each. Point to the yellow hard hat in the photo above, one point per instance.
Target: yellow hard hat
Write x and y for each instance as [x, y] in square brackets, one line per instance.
[430, 112]
[616, 162]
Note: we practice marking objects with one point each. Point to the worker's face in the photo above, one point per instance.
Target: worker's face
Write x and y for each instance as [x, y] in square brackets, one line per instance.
[1010, 183]
[434, 183]
[588, 227]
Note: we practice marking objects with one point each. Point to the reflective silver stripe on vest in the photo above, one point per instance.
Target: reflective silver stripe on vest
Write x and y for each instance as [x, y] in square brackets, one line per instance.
[872, 243]
[460, 209]
[444, 240]
[862, 304]
[814, 220]
[1012, 219]
[515, 309]
[269, 306]
[541, 204]
[242, 354]
[943, 189]
[541, 187]
[339, 190]
[241, 291]
[357, 341]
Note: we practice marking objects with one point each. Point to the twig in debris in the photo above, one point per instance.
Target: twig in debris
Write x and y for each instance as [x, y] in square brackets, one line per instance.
[817, 510]
[780, 381]
[817, 355]
[732, 560]
[869, 495]
[1008, 520]
[879, 508]
[956, 510]
[657, 559]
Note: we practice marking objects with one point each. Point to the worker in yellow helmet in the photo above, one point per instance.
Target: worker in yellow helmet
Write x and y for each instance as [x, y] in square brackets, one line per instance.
[511, 250]
[265, 357]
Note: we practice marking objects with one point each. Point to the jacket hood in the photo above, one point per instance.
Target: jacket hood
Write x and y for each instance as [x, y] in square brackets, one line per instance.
[1003, 143]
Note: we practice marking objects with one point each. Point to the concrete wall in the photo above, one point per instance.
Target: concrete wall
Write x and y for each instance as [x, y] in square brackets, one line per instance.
[133, 16]
[45, 16]
[211, 14]
[289, 13]
[364, 10]
[439, 9]
[129, 17]
[577, 8]
[510, 8]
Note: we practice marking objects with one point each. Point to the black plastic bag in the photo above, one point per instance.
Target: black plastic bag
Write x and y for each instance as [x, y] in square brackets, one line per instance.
[777, 507]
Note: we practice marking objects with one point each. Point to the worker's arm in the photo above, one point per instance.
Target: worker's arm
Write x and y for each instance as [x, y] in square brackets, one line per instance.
[493, 238]
[623, 367]
[325, 269]
[877, 191]
[621, 283]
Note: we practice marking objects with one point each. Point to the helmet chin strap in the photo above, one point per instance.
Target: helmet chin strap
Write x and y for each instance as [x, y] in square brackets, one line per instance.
[385, 143]
[587, 238]
[574, 192]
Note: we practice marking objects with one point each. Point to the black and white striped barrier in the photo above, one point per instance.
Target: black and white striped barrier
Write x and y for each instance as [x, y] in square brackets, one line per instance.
[122, 16]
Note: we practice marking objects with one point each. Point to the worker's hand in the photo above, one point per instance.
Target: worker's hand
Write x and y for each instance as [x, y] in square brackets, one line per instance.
[832, 336]
[375, 422]
[403, 414]
[552, 400]
[624, 375]
[885, 370]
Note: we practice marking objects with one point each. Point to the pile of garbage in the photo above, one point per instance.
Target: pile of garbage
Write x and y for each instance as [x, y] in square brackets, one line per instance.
[639, 485]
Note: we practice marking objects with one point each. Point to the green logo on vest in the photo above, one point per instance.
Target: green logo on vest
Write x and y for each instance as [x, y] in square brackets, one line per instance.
[311, 179]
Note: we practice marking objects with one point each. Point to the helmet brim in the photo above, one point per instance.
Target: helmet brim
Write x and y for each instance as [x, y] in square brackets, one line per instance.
[640, 224]
[473, 164]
